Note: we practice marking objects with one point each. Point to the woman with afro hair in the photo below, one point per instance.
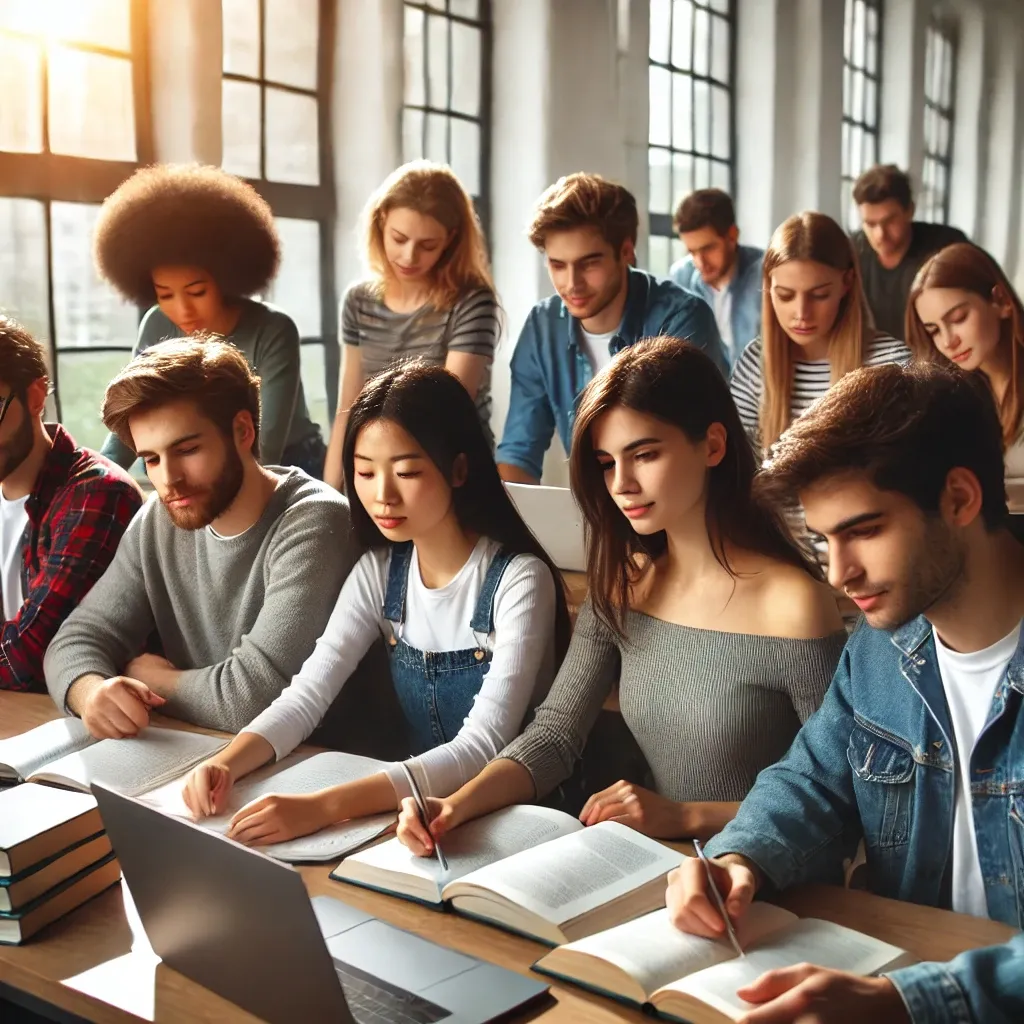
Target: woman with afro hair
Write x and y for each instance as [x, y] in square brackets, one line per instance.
[429, 294]
[198, 243]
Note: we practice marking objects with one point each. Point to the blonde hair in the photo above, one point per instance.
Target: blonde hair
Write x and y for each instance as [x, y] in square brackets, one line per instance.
[432, 190]
[819, 239]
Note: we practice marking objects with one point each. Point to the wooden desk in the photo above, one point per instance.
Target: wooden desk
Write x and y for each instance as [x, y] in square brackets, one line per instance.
[85, 964]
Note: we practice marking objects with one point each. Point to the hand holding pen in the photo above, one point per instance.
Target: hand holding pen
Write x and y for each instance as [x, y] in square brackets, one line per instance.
[424, 817]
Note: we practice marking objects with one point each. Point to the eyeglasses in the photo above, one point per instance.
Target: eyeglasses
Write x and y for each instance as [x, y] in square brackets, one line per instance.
[5, 404]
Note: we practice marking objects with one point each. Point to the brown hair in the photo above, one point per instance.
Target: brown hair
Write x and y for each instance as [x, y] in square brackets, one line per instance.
[211, 372]
[705, 208]
[677, 383]
[22, 358]
[814, 237]
[432, 190]
[882, 182]
[586, 200]
[904, 427]
[967, 268]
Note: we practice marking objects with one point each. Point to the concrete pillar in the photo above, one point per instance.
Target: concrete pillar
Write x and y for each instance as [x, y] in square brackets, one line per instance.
[904, 39]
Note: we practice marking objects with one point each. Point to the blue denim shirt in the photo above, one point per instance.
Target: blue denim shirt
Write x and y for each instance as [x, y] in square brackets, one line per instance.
[550, 367]
[746, 294]
[878, 762]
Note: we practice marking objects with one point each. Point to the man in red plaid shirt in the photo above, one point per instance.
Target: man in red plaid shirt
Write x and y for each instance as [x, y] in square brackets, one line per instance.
[63, 510]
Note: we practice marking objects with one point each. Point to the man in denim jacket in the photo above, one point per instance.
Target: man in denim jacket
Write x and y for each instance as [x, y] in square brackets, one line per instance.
[900, 469]
[586, 227]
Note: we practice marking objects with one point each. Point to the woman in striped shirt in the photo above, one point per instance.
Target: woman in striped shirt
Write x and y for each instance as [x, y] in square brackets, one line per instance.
[816, 327]
[429, 293]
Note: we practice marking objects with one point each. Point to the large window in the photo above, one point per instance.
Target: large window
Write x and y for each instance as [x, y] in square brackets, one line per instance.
[939, 70]
[691, 112]
[276, 133]
[862, 76]
[446, 106]
[73, 126]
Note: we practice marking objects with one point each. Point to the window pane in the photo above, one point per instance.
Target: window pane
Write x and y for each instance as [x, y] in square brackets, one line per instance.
[87, 311]
[721, 141]
[658, 255]
[466, 69]
[660, 128]
[21, 85]
[91, 105]
[415, 93]
[23, 264]
[682, 177]
[659, 42]
[720, 50]
[660, 182]
[240, 128]
[242, 37]
[82, 377]
[682, 34]
[95, 22]
[437, 61]
[290, 52]
[701, 42]
[465, 157]
[722, 6]
[314, 384]
[466, 8]
[296, 289]
[293, 153]
[720, 176]
[682, 111]
[702, 119]
[437, 138]
[412, 134]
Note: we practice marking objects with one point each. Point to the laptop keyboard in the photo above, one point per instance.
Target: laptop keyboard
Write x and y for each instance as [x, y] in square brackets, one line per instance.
[374, 1001]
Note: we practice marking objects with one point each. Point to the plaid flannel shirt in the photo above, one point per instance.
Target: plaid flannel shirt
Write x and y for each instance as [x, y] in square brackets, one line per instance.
[78, 509]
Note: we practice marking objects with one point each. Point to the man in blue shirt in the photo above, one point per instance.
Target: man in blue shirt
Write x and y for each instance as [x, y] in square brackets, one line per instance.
[586, 227]
[918, 748]
[725, 274]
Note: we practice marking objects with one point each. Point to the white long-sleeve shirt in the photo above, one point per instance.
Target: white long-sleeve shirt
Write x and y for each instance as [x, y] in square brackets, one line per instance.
[521, 669]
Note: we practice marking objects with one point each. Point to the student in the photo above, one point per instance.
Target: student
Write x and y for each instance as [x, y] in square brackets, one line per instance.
[586, 227]
[919, 745]
[472, 609]
[63, 510]
[891, 245]
[201, 243]
[430, 293]
[234, 566]
[721, 639]
[815, 327]
[725, 274]
[963, 309]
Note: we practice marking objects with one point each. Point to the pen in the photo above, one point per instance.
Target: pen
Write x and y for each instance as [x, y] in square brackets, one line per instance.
[421, 804]
[718, 899]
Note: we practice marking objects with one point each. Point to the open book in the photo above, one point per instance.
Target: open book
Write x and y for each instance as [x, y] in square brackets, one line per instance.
[62, 752]
[531, 870]
[300, 773]
[648, 962]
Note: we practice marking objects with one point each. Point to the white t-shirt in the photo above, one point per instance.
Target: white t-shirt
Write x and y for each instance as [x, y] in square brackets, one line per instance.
[522, 658]
[13, 521]
[721, 299]
[970, 682]
[596, 348]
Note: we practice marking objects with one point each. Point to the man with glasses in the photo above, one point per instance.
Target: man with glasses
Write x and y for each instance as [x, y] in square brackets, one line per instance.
[63, 510]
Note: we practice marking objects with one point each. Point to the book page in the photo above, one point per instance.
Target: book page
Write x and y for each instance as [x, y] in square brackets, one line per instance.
[582, 871]
[807, 941]
[299, 773]
[29, 751]
[653, 952]
[133, 765]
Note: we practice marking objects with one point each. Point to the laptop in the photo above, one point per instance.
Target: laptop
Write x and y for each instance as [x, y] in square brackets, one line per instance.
[242, 924]
[555, 520]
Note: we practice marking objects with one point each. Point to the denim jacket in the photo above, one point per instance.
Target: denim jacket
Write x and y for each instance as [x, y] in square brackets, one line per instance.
[878, 762]
[550, 367]
[746, 294]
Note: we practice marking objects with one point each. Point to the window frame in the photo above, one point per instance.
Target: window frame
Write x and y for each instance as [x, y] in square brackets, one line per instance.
[945, 30]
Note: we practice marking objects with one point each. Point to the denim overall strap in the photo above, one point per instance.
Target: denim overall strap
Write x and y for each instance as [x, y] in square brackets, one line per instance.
[483, 615]
[393, 608]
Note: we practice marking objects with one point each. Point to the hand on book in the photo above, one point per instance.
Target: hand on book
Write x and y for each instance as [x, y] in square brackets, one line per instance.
[411, 833]
[207, 789]
[278, 817]
[691, 905]
[113, 708]
[791, 995]
[653, 815]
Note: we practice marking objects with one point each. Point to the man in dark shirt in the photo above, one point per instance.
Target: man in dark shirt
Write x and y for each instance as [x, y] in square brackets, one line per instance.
[891, 246]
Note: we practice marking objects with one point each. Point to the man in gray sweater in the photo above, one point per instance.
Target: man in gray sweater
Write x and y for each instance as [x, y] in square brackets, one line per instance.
[233, 566]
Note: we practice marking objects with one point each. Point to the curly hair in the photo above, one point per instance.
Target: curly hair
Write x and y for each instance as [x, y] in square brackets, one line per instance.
[186, 216]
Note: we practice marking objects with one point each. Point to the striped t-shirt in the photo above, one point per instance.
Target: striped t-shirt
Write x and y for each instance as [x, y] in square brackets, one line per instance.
[385, 337]
[811, 379]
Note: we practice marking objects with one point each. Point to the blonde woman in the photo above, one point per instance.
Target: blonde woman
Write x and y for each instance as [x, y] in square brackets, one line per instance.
[429, 294]
[816, 327]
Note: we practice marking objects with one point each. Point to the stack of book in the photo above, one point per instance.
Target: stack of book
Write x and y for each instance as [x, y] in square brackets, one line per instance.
[54, 855]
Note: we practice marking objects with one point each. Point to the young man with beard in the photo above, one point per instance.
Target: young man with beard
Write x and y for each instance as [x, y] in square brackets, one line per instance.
[63, 510]
[587, 227]
[234, 566]
[918, 748]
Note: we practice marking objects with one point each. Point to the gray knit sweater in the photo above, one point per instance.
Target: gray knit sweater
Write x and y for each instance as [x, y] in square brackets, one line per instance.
[238, 614]
[708, 709]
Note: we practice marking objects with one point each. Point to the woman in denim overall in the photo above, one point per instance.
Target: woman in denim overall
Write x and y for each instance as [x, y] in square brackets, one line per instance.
[470, 607]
